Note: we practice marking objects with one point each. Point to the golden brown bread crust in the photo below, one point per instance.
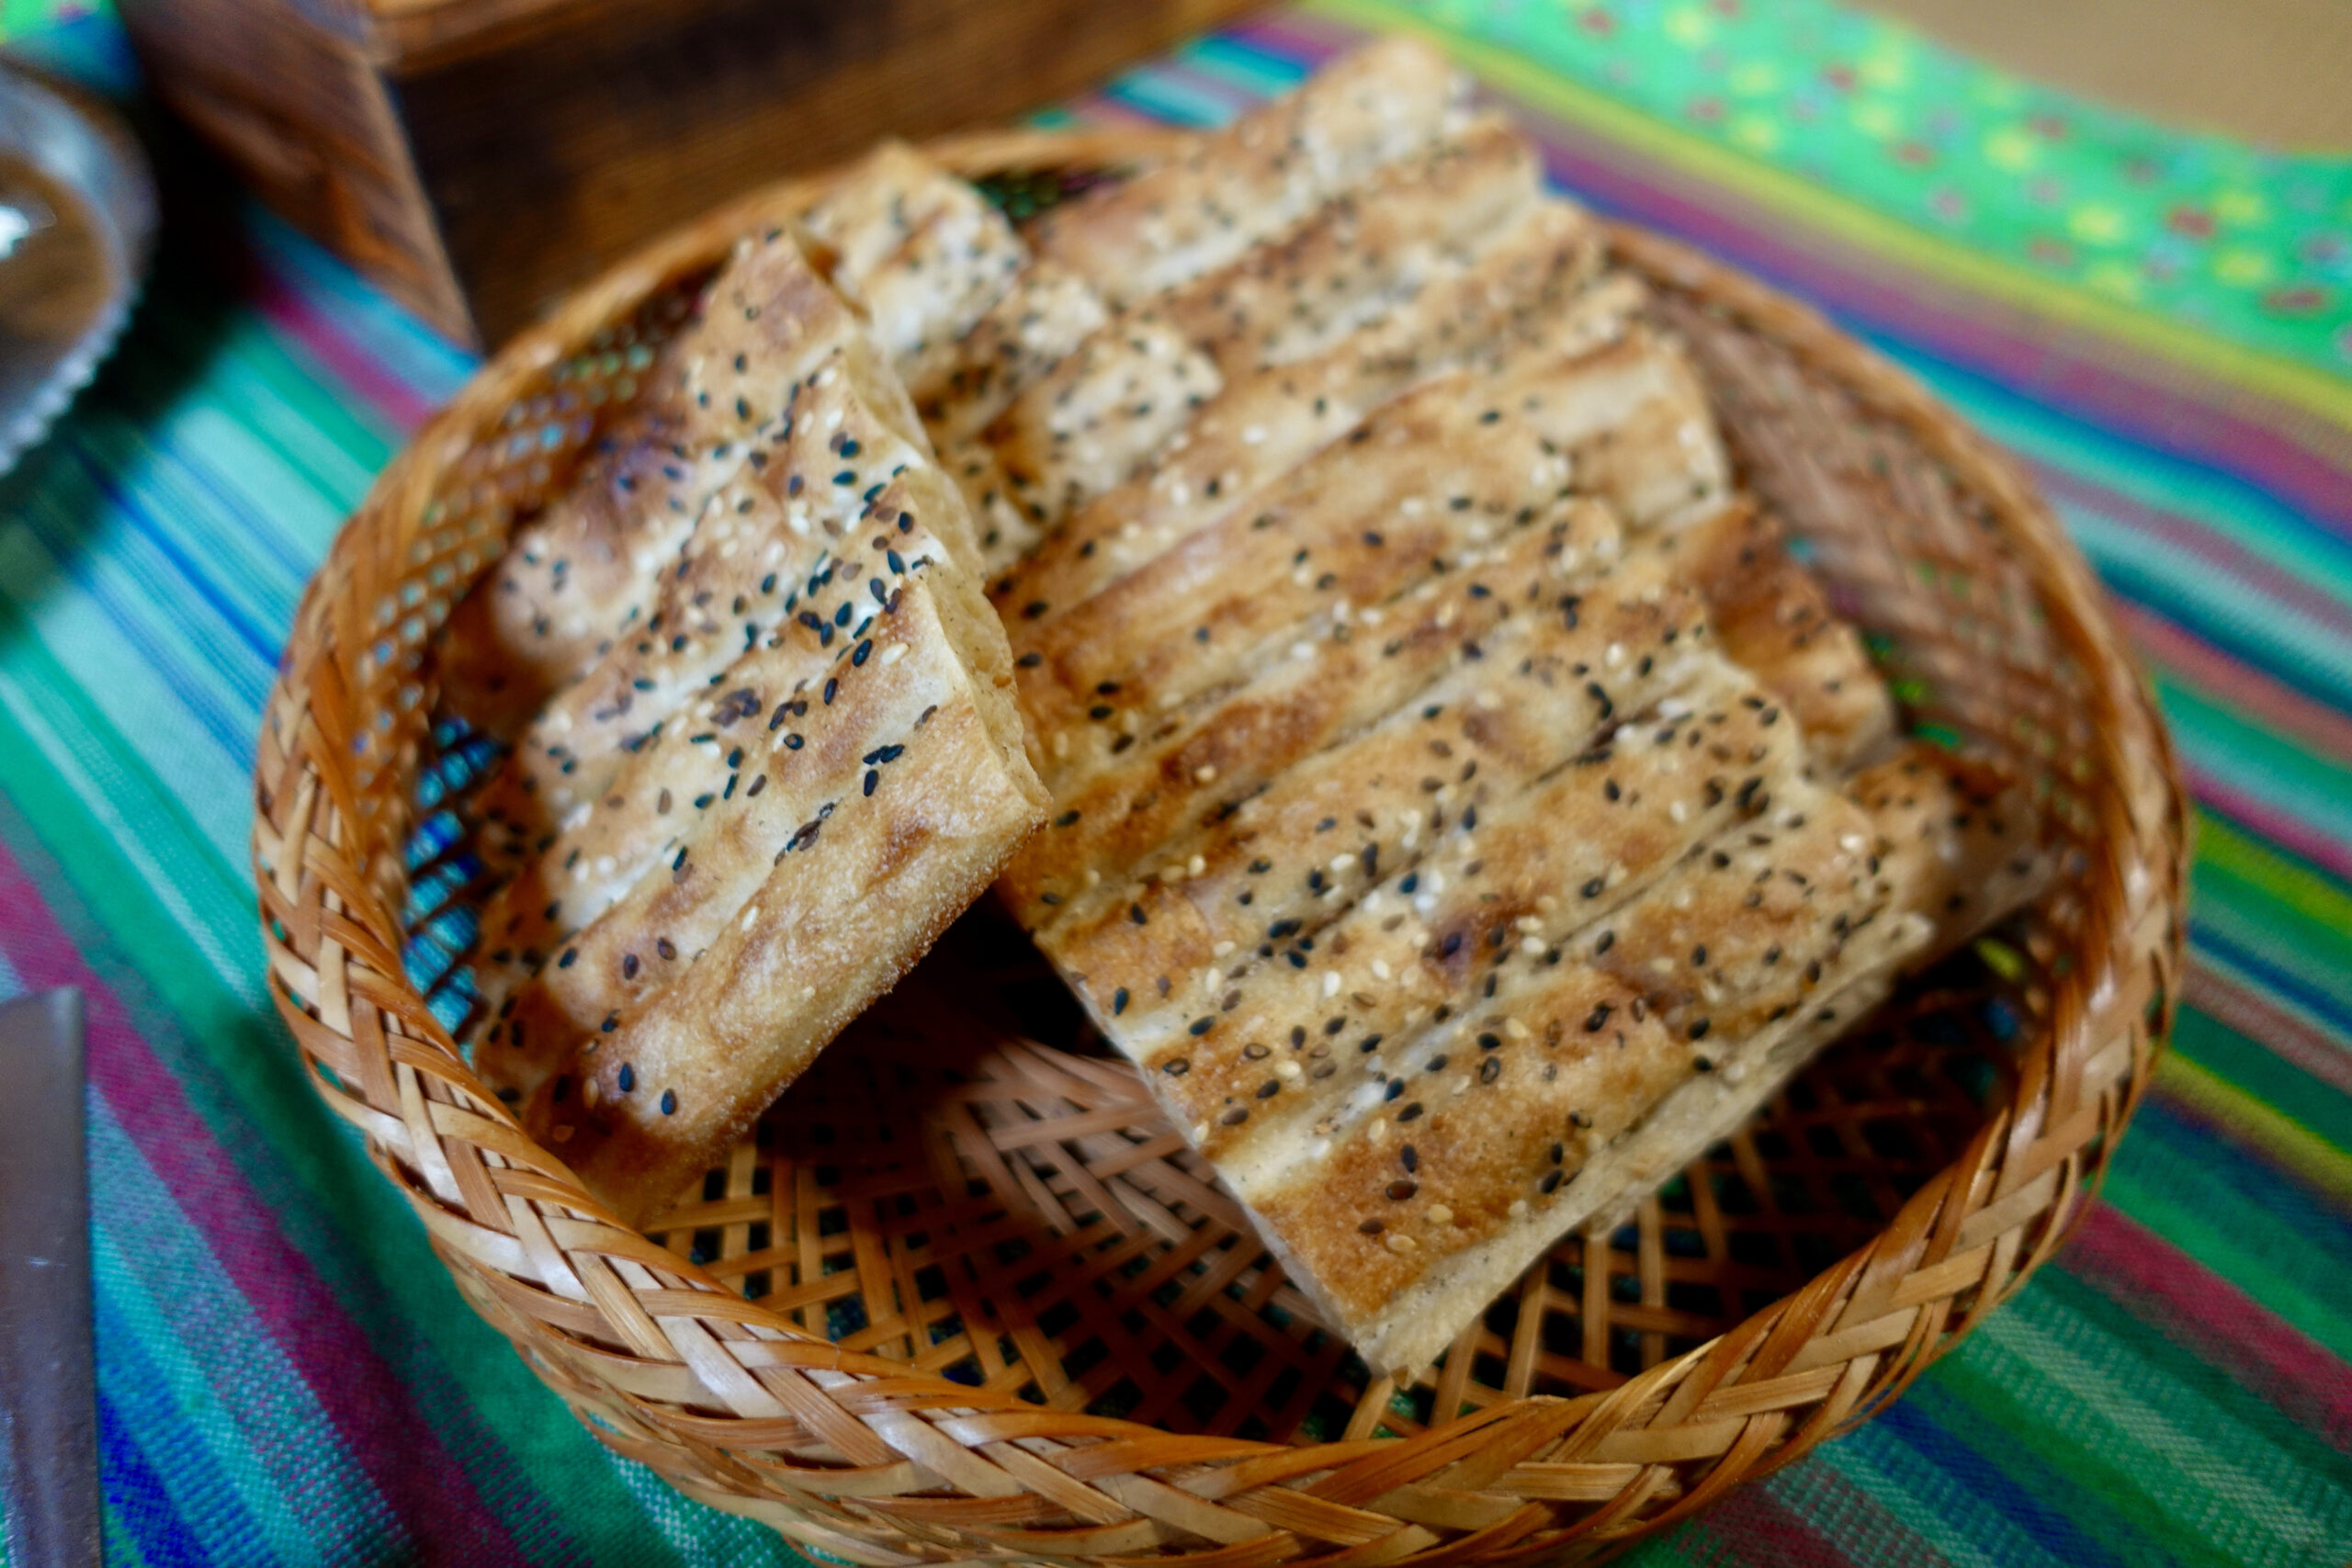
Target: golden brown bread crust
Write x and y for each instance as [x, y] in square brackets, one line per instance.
[801, 906]
[1364, 252]
[918, 253]
[1772, 616]
[759, 549]
[1122, 794]
[573, 576]
[1044, 314]
[1562, 1058]
[1506, 898]
[797, 756]
[1426, 1005]
[1938, 829]
[1252, 179]
[676, 786]
[1268, 421]
[1082, 427]
[1291, 857]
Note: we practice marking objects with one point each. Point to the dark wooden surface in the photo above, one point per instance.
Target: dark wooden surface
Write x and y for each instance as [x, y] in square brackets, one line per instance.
[480, 157]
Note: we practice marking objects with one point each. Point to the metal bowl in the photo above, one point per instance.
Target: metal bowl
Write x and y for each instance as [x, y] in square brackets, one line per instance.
[89, 171]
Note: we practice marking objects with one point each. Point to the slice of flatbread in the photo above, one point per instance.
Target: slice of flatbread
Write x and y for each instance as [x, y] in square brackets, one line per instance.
[1135, 381]
[757, 558]
[1265, 421]
[573, 577]
[848, 799]
[1608, 1085]
[920, 256]
[1451, 814]
[1227, 190]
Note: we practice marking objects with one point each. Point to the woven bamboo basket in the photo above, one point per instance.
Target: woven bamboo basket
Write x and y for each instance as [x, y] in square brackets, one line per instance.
[964, 1295]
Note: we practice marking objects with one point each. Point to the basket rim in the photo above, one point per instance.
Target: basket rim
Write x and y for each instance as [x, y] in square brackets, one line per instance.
[1989, 1218]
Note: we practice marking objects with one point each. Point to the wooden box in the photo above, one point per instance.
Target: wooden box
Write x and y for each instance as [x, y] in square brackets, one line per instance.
[478, 157]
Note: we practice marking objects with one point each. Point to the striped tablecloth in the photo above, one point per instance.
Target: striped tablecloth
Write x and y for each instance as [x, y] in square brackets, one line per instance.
[2157, 322]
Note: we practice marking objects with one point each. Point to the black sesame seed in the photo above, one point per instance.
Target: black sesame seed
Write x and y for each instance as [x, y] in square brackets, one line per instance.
[626, 1078]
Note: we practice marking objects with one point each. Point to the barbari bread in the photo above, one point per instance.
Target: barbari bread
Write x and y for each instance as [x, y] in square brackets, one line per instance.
[1465, 807]
[788, 755]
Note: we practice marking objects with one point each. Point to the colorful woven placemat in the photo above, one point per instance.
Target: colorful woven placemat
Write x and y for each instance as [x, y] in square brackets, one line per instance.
[2158, 323]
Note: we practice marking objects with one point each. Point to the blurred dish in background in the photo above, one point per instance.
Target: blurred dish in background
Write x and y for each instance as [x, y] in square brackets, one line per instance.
[77, 221]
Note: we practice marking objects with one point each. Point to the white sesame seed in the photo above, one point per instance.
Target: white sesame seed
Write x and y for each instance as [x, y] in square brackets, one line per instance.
[1204, 773]
[1331, 983]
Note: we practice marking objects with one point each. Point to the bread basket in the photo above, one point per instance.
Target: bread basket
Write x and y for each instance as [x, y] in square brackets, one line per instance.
[965, 1296]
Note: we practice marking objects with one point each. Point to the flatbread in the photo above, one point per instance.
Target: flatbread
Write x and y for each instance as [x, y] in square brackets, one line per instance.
[1452, 813]
[1265, 421]
[909, 252]
[756, 560]
[575, 576]
[791, 914]
[1231, 188]
[812, 660]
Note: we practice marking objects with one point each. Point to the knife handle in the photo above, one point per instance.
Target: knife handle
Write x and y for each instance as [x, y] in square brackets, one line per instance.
[48, 1416]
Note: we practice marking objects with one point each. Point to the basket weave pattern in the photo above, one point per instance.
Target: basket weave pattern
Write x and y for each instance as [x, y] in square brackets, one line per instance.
[883, 1328]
